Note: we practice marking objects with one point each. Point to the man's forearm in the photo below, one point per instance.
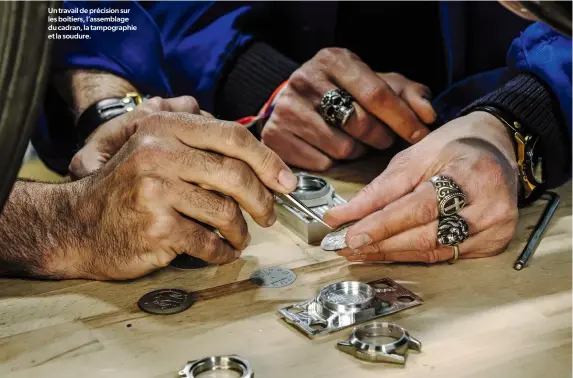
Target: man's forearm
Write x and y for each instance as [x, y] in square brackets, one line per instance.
[82, 88]
[36, 231]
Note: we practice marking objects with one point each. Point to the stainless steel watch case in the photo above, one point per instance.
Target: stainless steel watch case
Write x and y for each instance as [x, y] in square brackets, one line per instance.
[344, 304]
[361, 346]
[231, 362]
[318, 195]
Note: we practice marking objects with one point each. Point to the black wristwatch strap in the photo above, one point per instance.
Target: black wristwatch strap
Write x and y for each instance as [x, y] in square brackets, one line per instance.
[103, 111]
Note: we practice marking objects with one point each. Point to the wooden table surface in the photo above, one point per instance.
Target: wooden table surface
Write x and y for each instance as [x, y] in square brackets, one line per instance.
[480, 317]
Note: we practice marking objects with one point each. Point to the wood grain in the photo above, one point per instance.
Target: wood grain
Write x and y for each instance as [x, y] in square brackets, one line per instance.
[480, 317]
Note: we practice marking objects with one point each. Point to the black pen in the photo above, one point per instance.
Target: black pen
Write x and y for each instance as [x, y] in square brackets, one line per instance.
[540, 228]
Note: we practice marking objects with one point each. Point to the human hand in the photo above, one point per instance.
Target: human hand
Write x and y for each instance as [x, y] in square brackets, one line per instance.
[398, 209]
[384, 104]
[143, 207]
[107, 139]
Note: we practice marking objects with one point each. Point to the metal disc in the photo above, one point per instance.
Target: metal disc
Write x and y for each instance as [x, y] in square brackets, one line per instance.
[185, 261]
[273, 277]
[336, 240]
[165, 301]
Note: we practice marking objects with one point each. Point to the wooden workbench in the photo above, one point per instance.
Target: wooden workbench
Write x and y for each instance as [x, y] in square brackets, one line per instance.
[480, 317]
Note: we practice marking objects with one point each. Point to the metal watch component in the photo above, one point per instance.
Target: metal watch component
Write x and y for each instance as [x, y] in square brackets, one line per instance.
[319, 196]
[362, 343]
[232, 362]
[273, 277]
[336, 240]
[343, 304]
[166, 301]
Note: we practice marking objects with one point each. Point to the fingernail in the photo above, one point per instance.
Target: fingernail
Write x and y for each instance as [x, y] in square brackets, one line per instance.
[288, 180]
[359, 240]
[418, 135]
[272, 219]
[237, 254]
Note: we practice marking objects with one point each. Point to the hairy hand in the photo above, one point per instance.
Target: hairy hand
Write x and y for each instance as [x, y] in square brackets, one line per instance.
[176, 172]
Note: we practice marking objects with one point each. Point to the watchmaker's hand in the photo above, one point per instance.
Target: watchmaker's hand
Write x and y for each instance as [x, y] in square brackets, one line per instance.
[398, 211]
[384, 104]
[140, 210]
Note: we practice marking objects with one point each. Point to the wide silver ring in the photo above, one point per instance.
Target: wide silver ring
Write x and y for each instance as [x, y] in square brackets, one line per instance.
[232, 362]
[450, 197]
[452, 230]
[336, 107]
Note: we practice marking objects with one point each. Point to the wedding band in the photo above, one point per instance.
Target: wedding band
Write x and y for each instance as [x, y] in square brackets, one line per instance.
[456, 253]
[449, 196]
[336, 107]
[452, 230]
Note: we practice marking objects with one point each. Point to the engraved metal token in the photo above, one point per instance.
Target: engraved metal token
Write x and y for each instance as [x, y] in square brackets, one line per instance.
[185, 261]
[165, 301]
[273, 277]
[336, 240]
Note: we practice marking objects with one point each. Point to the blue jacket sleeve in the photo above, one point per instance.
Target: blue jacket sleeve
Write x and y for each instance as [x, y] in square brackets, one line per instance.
[546, 54]
[177, 47]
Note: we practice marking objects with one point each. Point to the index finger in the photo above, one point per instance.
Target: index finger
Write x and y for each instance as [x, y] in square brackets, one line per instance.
[234, 140]
[376, 96]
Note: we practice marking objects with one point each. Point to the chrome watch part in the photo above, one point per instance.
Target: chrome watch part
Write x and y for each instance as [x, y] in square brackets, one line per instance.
[362, 343]
[232, 362]
[344, 304]
[318, 195]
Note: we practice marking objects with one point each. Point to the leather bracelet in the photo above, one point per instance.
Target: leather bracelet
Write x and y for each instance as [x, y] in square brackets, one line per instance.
[102, 111]
[524, 143]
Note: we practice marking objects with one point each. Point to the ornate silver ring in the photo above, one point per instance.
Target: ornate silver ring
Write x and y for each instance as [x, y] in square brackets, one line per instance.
[450, 197]
[336, 107]
[452, 230]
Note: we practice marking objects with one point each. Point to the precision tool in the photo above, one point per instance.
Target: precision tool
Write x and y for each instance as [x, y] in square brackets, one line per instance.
[540, 228]
[291, 200]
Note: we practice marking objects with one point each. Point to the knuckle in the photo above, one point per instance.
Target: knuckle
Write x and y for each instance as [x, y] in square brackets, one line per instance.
[324, 165]
[378, 95]
[344, 148]
[299, 80]
[237, 136]
[229, 213]
[327, 55]
[237, 173]
[146, 190]
[426, 212]
[432, 256]
[191, 104]
[425, 242]
[154, 104]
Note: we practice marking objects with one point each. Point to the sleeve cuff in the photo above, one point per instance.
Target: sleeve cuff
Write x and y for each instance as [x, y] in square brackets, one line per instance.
[532, 103]
[256, 73]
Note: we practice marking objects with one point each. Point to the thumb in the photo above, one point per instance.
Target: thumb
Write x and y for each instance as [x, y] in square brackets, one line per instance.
[102, 145]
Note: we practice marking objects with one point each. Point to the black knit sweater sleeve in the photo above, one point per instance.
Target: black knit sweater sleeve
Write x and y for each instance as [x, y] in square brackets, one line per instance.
[251, 80]
[531, 102]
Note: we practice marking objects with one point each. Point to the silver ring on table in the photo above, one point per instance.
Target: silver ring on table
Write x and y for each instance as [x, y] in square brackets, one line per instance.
[449, 196]
[453, 230]
[232, 362]
[336, 107]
